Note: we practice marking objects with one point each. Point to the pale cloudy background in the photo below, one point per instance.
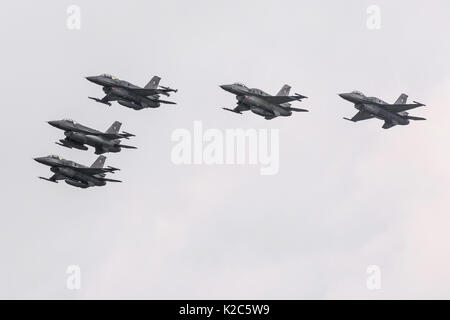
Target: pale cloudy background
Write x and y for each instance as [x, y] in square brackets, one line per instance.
[347, 195]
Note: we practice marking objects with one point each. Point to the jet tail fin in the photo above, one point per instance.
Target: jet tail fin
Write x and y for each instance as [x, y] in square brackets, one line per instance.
[153, 83]
[284, 91]
[402, 99]
[114, 128]
[99, 163]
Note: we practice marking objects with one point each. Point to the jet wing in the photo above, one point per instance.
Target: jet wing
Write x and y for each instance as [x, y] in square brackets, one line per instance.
[92, 171]
[396, 108]
[109, 136]
[279, 99]
[143, 92]
[361, 115]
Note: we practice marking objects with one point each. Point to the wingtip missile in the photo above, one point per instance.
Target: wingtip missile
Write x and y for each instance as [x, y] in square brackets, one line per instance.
[110, 180]
[126, 146]
[348, 119]
[415, 118]
[419, 103]
[63, 145]
[165, 102]
[299, 96]
[100, 100]
[232, 110]
[168, 89]
[298, 109]
[127, 135]
[47, 179]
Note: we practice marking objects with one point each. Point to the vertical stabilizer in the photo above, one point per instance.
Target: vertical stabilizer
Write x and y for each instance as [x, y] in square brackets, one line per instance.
[284, 91]
[153, 83]
[99, 163]
[115, 127]
[402, 99]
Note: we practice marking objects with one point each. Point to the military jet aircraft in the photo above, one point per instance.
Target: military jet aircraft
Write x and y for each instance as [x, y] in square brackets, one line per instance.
[129, 95]
[78, 135]
[371, 107]
[76, 174]
[261, 103]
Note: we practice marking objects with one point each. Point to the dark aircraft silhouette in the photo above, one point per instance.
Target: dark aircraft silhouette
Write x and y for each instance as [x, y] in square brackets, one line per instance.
[76, 174]
[130, 95]
[78, 135]
[261, 103]
[371, 107]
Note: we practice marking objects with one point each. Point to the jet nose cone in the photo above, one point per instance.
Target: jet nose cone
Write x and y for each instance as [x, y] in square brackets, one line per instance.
[226, 87]
[345, 96]
[40, 160]
[91, 79]
[53, 123]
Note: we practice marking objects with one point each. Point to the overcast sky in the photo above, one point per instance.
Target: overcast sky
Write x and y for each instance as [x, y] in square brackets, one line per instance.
[346, 196]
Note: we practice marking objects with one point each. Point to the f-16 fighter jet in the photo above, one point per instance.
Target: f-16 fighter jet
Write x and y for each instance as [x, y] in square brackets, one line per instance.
[129, 95]
[78, 135]
[392, 114]
[76, 174]
[261, 103]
